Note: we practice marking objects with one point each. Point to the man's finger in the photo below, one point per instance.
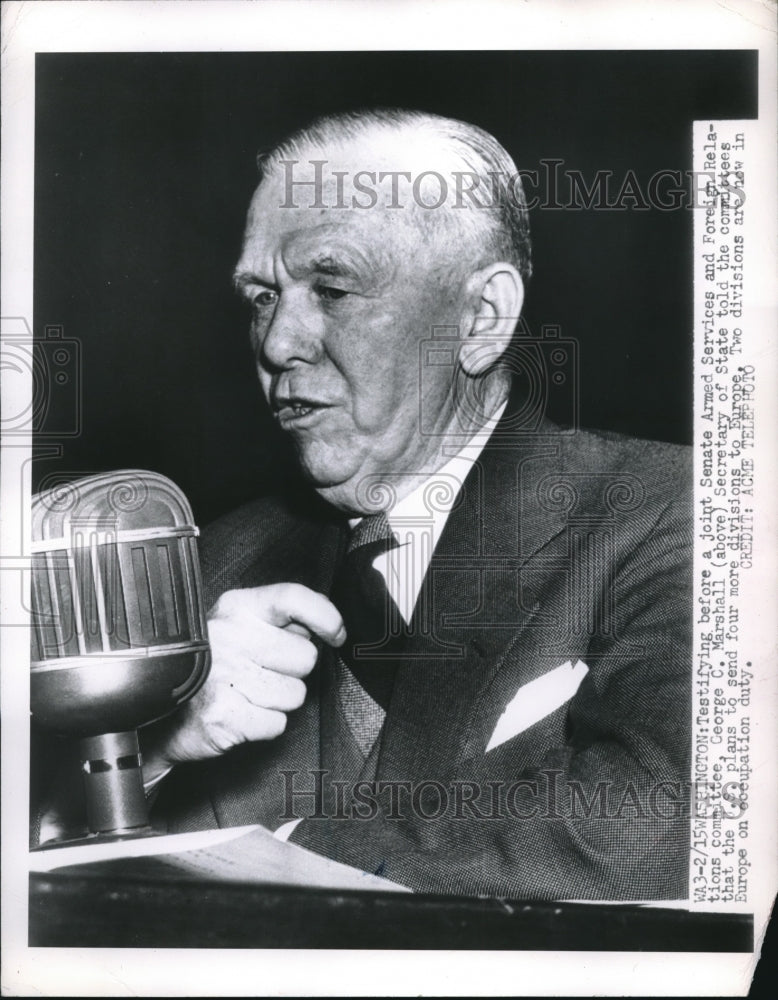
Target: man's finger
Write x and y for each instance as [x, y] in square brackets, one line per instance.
[263, 724]
[298, 630]
[238, 722]
[266, 688]
[236, 645]
[215, 720]
[285, 605]
[292, 604]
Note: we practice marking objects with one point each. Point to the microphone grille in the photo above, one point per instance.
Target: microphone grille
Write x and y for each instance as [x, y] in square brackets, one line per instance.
[115, 567]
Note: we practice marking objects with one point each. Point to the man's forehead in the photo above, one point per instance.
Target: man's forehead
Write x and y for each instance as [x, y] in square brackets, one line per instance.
[382, 168]
[309, 241]
[304, 230]
[334, 224]
[352, 200]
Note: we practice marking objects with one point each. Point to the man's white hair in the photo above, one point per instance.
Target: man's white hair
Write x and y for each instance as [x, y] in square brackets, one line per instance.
[498, 224]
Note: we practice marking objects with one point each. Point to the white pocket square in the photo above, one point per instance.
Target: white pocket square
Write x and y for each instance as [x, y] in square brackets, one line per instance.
[534, 701]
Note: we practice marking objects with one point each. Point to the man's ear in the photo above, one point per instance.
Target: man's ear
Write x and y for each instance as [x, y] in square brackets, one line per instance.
[495, 295]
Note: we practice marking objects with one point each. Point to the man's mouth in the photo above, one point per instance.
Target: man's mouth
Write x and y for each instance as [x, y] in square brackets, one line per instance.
[296, 411]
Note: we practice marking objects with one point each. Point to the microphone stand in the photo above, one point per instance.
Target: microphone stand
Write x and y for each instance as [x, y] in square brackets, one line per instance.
[113, 784]
[119, 633]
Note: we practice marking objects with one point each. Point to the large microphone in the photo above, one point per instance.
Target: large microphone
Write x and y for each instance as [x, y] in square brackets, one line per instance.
[119, 634]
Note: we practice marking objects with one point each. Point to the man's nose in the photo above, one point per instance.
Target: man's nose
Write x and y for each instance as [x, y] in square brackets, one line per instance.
[293, 336]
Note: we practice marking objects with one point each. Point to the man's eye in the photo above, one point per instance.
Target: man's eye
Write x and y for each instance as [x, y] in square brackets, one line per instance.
[266, 298]
[330, 294]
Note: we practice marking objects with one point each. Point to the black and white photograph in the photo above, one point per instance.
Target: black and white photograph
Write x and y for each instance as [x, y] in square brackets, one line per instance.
[387, 467]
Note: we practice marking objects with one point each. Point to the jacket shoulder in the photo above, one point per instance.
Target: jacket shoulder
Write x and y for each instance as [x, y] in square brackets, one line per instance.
[263, 541]
[659, 465]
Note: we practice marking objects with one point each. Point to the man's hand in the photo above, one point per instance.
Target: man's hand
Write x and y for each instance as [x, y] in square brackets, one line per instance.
[261, 649]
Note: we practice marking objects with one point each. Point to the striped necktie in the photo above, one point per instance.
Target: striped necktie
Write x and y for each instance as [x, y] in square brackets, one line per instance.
[370, 615]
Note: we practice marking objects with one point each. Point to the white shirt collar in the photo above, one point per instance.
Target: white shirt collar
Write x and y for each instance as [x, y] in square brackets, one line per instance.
[419, 518]
[431, 501]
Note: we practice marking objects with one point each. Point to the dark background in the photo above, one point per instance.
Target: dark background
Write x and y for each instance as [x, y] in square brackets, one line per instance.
[145, 164]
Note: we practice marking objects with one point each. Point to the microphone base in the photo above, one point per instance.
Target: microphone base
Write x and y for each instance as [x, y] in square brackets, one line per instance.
[113, 784]
[93, 839]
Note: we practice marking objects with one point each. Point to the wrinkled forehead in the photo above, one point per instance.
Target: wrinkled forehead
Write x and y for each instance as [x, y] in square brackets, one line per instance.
[308, 235]
[344, 250]
[365, 196]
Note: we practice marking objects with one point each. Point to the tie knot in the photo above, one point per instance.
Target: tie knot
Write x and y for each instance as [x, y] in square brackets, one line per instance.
[372, 529]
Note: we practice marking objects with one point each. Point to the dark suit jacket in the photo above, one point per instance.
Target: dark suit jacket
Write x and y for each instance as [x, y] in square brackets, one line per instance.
[562, 546]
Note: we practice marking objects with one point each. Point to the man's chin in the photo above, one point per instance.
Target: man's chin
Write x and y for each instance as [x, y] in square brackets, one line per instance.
[340, 497]
[349, 495]
[360, 497]
[346, 484]
[334, 483]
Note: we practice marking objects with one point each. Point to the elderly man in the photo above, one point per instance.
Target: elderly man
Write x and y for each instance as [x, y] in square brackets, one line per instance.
[465, 664]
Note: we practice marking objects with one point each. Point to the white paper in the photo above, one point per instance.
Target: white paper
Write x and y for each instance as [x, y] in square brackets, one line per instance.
[250, 855]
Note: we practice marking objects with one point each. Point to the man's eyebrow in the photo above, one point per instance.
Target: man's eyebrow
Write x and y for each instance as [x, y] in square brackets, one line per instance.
[241, 279]
[327, 264]
[331, 266]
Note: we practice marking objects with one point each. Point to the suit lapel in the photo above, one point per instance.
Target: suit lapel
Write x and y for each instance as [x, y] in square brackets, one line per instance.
[495, 540]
